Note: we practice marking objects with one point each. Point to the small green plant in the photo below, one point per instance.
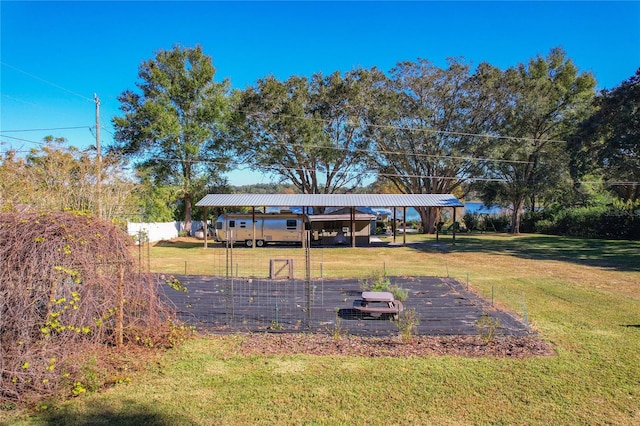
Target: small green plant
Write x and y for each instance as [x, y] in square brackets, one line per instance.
[78, 389]
[178, 334]
[7, 406]
[376, 281]
[92, 375]
[399, 293]
[487, 327]
[175, 284]
[338, 329]
[145, 341]
[275, 325]
[407, 322]
[142, 237]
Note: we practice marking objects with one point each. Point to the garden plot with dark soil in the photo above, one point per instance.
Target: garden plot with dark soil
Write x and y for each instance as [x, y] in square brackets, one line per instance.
[443, 305]
[272, 315]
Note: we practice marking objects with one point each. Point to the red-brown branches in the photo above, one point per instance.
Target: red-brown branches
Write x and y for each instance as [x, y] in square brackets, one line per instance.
[68, 285]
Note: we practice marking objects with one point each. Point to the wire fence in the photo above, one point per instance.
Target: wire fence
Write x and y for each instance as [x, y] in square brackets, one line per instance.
[302, 290]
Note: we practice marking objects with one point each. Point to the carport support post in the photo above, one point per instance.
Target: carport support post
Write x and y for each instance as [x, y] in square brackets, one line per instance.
[353, 226]
[253, 231]
[454, 226]
[393, 226]
[204, 226]
[404, 219]
[307, 275]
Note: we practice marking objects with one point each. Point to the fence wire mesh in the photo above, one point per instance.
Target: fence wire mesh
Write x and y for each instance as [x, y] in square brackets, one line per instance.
[280, 288]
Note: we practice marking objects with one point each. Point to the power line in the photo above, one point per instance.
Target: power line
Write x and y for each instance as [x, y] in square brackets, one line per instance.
[57, 86]
[106, 130]
[41, 143]
[372, 172]
[25, 140]
[241, 166]
[390, 152]
[42, 130]
[411, 129]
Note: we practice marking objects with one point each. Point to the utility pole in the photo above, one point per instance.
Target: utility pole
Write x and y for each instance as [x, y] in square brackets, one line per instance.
[99, 159]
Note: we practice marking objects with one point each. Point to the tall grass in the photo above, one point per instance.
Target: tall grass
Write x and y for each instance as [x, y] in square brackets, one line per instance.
[581, 295]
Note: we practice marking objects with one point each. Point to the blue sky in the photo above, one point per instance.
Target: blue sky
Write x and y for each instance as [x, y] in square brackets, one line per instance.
[56, 55]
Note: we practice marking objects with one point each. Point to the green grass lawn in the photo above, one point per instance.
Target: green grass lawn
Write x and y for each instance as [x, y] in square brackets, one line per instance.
[582, 295]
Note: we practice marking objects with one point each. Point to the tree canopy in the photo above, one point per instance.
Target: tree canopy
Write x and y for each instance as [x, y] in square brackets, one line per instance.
[305, 131]
[57, 177]
[548, 98]
[423, 121]
[174, 123]
[607, 143]
[532, 135]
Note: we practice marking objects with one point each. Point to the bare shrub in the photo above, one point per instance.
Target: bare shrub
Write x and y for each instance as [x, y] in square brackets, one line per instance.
[407, 322]
[488, 327]
[68, 286]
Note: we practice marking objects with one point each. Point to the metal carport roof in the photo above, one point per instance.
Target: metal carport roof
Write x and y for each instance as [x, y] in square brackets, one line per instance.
[329, 200]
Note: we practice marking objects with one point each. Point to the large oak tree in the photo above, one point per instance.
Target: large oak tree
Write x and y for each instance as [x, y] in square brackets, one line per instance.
[173, 123]
[548, 98]
[423, 121]
[304, 131]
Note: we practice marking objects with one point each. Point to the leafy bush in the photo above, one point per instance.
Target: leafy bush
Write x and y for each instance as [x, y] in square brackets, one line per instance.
[378, 281]
[608, 222]
[471, 221]
[500, 222]
[529, 221]
[381, 228]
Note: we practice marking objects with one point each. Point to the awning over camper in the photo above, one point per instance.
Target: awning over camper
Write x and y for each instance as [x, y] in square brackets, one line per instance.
[333, 200]
[329, 200]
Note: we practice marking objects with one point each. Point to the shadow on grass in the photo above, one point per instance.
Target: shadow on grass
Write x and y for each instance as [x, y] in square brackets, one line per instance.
[221, 246]
[619, 255]
[180, 244]
[101, 415]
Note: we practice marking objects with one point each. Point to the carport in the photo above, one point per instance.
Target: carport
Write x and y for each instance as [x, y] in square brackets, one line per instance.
[351, 201]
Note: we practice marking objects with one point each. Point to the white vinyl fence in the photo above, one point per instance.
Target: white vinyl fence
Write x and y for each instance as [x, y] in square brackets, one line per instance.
[159, 231]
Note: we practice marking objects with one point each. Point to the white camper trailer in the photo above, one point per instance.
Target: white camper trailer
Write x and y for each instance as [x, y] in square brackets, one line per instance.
[268, 228]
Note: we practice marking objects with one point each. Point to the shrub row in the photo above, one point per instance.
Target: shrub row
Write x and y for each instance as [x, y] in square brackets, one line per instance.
[592, 222]
[604, 222]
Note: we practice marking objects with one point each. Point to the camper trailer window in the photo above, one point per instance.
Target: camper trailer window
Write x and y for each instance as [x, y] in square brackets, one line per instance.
[218, 225]
[232, 224]
[291, 223]
[243, 224]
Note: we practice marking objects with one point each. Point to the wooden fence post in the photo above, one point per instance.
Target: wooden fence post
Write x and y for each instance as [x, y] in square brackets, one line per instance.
[120, 314]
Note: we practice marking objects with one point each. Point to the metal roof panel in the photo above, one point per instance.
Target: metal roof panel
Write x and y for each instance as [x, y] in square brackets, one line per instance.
[329, 200]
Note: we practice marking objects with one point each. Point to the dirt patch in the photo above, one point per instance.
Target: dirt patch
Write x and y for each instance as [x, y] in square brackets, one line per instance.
[466, 346]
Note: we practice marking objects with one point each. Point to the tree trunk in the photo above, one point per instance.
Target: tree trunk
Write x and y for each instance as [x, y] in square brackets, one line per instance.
[187, 213]
[428, 217]
[515, 216]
